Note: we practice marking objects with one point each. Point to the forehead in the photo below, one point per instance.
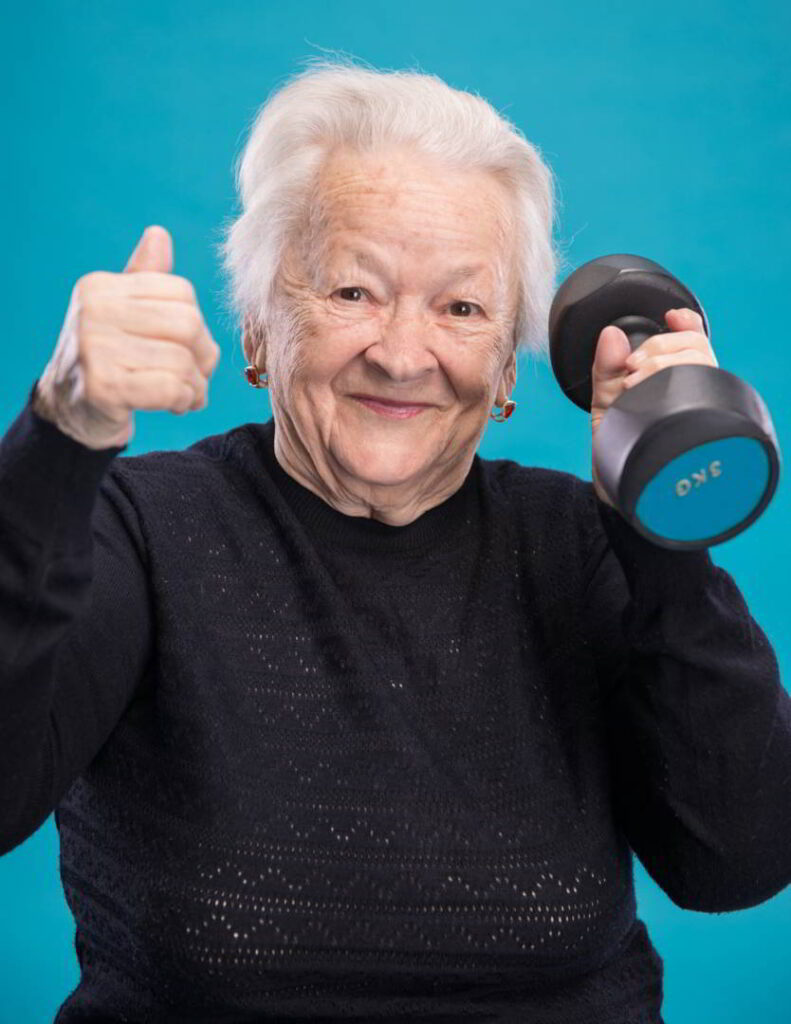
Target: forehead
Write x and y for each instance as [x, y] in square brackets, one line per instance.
[407, 201]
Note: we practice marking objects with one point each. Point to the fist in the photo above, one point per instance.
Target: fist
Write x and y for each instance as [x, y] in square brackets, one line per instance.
[134, 340]
[616, 367]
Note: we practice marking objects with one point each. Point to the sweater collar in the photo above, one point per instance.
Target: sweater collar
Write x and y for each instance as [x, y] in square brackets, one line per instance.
[319, 517]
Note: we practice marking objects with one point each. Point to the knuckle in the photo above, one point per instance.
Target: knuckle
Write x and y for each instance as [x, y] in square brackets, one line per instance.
[209, 355]
[93, 305]
[175, 389]
[184, 362]
[92, 282]
[184, 288]
[176, 395]
[189, 322]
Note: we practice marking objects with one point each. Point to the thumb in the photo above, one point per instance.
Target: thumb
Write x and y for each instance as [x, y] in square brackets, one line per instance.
[612, 351]
[154, 251]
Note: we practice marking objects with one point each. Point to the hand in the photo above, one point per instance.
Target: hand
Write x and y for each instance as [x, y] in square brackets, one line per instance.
[135, 340]
[616, 367]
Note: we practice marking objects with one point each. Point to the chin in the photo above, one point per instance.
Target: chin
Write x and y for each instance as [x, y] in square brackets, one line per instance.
[386, 463]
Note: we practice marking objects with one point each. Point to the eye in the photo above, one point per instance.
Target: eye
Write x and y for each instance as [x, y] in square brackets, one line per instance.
[350, 288]
[466, 305]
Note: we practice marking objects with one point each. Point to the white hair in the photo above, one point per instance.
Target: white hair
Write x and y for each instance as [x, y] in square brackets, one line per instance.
[338, 103]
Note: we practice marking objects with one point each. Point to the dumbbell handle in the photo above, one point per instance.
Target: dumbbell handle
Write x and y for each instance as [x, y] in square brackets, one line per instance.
[638, 328]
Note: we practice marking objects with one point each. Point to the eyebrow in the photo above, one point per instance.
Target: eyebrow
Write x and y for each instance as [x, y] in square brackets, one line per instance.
[462, 272]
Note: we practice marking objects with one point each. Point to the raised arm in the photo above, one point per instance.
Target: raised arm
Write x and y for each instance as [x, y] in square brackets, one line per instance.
[75, 621]
[698, 721]
[75, 627]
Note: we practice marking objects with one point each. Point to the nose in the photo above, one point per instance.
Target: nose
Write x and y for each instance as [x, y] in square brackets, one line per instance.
[403, 352]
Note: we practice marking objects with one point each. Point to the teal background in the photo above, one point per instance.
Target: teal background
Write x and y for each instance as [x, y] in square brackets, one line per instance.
[669, 127]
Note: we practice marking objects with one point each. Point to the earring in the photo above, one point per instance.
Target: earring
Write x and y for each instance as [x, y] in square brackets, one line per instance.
[505, 411]
[254, 378]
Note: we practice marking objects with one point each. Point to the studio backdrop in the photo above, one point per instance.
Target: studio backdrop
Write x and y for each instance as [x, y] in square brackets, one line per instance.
[669, 132]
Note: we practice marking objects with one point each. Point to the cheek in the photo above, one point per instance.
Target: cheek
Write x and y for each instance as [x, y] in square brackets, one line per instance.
[474, 372]
[327, 358]
[319, 350]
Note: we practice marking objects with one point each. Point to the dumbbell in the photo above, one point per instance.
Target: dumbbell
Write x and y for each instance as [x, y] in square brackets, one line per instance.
[689, 456]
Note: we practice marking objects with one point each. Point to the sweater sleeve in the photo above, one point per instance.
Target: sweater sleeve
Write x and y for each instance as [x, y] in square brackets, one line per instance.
[75, 624]
[697, 719]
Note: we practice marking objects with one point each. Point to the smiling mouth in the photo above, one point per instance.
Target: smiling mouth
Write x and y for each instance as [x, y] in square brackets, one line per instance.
[391, 409]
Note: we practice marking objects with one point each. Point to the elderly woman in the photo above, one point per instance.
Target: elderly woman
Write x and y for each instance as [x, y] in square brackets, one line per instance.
[338, 719]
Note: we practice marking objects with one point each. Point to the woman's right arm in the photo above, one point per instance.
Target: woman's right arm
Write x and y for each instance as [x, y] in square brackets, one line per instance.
[75, 618]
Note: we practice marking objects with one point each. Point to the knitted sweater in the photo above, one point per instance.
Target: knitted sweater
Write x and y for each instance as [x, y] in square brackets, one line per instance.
[311, 767]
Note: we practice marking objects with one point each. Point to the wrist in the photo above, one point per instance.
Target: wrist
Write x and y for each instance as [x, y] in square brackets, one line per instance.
[43, 403]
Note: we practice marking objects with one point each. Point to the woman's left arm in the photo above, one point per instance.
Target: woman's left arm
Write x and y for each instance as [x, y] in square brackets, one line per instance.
[697, 719]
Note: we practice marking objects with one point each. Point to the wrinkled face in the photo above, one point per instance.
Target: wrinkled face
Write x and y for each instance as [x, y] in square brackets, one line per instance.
[404, 308]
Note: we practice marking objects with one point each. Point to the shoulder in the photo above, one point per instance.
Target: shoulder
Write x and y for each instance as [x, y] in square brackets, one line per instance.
[213, 453]
[554, 507]
[536, 488]
[199, 473]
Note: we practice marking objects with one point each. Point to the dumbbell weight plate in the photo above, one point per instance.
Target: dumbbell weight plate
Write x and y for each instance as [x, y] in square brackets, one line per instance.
[688, 456]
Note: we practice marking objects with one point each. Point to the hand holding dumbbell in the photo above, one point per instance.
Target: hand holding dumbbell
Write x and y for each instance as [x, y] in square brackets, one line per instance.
[616, 366]
[685, 451]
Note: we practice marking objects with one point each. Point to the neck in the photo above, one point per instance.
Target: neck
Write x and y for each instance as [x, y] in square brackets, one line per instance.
[393, 504]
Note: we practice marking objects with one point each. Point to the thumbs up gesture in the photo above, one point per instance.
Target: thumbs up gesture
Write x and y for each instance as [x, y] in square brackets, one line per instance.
[134, 340]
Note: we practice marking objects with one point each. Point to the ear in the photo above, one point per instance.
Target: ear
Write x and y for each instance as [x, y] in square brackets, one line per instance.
[507, 381]
[254, 345]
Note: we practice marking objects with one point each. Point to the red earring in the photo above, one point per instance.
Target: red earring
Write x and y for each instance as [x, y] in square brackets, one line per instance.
[254, 378]
[506, 410]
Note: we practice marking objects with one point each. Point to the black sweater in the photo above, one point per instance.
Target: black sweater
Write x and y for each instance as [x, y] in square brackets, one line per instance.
[307, 766]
